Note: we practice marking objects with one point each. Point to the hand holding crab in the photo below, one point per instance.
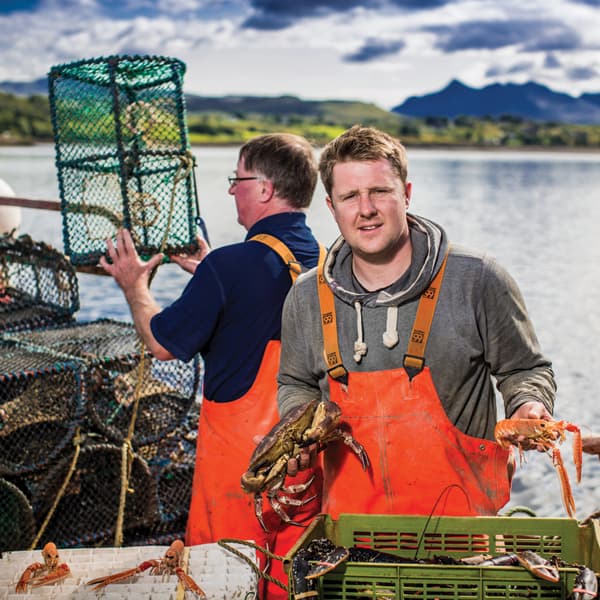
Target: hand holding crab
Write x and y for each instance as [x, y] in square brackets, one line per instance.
[544, 435]
[311, 423]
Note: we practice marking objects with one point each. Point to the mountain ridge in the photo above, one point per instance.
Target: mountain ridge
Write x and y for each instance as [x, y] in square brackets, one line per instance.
[529, 100]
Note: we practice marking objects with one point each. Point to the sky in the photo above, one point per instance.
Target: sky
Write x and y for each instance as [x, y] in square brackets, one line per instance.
[379, 51]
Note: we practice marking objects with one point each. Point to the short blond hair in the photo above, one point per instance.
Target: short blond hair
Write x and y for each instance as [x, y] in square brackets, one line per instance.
[362, 143]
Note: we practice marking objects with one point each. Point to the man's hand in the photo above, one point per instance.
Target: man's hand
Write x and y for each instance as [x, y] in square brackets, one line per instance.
[531, 410]
[305, 460]
[189, 262]
[129, 271]
[132, 275]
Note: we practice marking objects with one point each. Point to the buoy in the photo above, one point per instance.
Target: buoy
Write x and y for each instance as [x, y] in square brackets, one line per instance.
[10, 216]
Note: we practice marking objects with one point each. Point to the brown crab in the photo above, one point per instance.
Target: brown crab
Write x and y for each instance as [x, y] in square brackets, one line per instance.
[311, 423]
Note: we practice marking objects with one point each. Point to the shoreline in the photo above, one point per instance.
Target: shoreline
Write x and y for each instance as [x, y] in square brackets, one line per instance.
[408, 144]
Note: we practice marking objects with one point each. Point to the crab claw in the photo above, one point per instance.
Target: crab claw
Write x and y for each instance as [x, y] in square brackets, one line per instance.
[539, 566]
[586, 585]
[328, 562]
[58, 574]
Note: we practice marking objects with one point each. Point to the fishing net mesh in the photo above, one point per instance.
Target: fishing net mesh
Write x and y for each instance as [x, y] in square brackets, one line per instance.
[38, 285]
[42, 402]
[72, 398]
[122, 155]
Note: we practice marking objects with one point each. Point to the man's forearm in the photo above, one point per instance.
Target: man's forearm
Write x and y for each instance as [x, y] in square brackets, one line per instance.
[143, 307]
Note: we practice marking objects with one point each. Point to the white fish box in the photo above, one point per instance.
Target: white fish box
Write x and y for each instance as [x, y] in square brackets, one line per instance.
[220, 573]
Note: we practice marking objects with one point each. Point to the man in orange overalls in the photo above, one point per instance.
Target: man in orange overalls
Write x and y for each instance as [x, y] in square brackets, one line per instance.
[230, 313]
[408, 333]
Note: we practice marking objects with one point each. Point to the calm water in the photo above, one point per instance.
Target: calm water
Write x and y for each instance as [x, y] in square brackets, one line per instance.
[538, 213]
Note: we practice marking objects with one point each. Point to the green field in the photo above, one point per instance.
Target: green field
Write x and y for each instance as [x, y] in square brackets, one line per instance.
[235, 120]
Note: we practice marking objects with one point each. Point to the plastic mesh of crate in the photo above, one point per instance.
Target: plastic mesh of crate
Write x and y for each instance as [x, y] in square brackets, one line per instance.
[414, 537]
[221, 574]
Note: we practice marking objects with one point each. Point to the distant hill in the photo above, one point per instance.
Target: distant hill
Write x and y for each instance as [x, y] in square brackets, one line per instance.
[25, 88]
[343, 112]
[529, 101]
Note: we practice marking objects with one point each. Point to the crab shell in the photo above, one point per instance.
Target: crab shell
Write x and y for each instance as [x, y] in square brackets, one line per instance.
[302, 426]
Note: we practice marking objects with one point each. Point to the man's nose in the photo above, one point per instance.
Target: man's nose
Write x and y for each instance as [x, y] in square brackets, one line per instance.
[366, 206]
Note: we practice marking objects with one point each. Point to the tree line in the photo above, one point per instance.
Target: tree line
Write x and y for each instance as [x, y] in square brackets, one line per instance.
[27, 120]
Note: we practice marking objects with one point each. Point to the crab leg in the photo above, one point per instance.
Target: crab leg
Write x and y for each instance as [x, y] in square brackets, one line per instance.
[188, 583]
[565, 485]
[101, 582]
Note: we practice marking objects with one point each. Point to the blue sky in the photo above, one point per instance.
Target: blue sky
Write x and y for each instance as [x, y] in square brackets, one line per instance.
[380, 51]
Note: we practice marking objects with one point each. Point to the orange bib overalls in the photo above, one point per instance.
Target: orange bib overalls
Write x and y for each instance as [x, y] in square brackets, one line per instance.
[421, 463]
[219, 507]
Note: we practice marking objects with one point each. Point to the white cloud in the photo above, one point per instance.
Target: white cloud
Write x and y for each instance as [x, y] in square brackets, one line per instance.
[307, 58]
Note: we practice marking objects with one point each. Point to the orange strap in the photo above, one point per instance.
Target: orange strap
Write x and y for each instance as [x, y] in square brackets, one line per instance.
[414, 357]
[415, 354]
[285, 253]
[331, 349]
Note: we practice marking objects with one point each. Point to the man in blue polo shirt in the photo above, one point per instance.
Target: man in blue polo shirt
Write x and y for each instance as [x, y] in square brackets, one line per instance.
[230, 313]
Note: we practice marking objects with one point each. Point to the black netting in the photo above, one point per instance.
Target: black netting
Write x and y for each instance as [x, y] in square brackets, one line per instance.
[171, 461]
[116, 375]
[17, 528]
[38, 285]
[42, 402]
[74, 385]
[123, 155]
[87, 511]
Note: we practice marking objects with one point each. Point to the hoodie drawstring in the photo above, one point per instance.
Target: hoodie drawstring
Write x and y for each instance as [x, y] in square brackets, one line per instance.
[390, 335]
[360, 346]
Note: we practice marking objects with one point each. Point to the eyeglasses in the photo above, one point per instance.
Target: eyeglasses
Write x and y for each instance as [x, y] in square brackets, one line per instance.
[234, 180]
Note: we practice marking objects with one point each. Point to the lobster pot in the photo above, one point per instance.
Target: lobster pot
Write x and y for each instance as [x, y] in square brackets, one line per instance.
[17, 529]
[122, 155]
[117, 374]
[171, 462]
[88, 509]
[42, 402]
[38, 286]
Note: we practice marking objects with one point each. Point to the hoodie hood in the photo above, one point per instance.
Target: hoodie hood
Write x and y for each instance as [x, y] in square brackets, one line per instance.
[429, 246]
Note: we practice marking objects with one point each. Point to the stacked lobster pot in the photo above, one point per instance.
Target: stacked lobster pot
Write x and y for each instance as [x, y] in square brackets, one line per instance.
[38, 285]
[127, 422]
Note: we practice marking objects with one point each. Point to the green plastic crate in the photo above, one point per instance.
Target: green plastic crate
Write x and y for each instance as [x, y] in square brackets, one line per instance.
[423, 537]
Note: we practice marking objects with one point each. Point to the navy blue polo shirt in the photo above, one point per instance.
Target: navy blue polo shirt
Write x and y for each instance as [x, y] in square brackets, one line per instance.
[231, 307]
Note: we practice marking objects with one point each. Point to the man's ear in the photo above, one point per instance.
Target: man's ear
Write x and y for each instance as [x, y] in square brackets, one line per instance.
[267, 190]
[330, 205]
[407, 192]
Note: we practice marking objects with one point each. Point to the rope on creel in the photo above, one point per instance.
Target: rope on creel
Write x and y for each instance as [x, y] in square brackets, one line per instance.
[186, 164]
[77, 441]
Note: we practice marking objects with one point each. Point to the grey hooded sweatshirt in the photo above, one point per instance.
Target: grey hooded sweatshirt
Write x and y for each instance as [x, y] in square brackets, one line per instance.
[481, 335]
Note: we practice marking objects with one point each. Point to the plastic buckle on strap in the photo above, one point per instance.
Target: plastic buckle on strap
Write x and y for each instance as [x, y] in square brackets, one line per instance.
[295, 266]
[413, 364]
[339, 373]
